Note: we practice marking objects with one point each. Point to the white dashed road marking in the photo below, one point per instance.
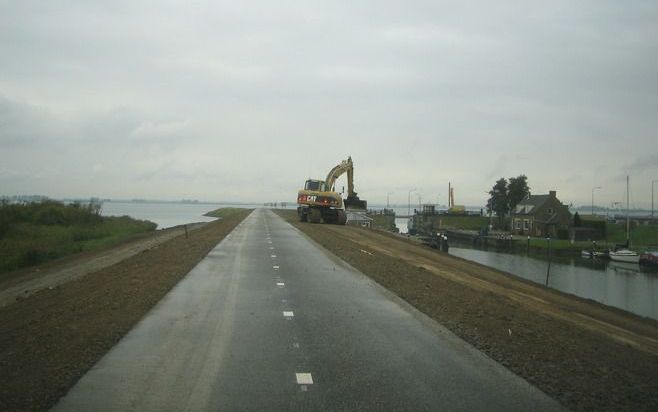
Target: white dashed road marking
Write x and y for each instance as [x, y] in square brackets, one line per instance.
[275, 267]
[280, 284]
[304, 378]
[288, 314]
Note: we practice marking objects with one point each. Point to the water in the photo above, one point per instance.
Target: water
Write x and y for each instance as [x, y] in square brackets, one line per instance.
[622, 285]
[165, 214]
[401, 224]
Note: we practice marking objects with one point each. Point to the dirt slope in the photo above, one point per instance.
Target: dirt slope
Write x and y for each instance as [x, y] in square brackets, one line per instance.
[586, 355]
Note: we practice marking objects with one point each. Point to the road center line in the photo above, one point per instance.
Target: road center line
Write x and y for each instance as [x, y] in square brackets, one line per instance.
[288, 314]
[304, 378]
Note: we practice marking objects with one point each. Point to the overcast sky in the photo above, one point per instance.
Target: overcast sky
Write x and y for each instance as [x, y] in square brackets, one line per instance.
[243, 101]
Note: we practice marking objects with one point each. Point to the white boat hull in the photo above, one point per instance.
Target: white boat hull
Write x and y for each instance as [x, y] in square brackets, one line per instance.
[625, 256]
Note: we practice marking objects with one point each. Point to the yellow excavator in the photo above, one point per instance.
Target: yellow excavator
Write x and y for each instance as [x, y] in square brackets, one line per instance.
[319, 202]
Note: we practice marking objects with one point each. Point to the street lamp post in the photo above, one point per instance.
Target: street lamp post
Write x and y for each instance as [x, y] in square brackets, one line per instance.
[593, 189]
[387, 198]
[409, 202]
[652, 182]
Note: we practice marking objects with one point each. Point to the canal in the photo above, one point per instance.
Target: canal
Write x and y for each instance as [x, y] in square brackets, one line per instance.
[622, 285]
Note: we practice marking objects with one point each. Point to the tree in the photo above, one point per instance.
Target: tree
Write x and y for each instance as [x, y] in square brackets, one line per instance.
[577, 221]
[498, 202]
[517, 190]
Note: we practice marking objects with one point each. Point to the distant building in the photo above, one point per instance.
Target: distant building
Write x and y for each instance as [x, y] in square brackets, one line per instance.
[540, 215]
[358, 218]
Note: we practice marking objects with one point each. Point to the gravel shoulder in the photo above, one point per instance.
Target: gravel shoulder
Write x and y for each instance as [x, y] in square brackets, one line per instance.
[584, 354]
[51, 337]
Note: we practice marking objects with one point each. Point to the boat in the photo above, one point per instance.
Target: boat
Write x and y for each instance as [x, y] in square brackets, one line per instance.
[624, 254]
[649, 259]
[594, 254]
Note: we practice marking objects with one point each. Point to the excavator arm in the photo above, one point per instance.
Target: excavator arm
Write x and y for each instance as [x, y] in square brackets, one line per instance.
[346, 166]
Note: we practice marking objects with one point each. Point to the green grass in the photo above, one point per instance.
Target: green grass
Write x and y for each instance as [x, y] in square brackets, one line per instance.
[642, 238]
[225, 212]
[642, 235]
[39, 232]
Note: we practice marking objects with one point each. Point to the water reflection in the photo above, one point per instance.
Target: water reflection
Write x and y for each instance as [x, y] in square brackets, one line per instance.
[622, 285]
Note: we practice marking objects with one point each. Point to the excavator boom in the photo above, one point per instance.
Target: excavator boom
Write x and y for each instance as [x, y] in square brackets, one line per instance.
[346, 166]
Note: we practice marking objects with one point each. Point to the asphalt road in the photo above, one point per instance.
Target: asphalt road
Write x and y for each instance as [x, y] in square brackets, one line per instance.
[268, 321]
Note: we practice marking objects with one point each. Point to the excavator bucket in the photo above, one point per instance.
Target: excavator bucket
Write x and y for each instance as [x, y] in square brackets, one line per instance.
[353, 202]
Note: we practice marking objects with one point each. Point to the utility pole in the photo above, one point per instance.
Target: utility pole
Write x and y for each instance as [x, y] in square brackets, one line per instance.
[387, 198]
[409, 202]
[593, 189]
[652, 182]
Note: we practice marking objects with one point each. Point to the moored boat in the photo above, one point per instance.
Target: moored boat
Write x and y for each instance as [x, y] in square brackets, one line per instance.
[593, 254]
[649, 259]
[624, 255]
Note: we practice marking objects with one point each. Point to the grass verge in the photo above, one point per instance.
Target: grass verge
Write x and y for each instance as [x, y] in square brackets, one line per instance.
[34, 233]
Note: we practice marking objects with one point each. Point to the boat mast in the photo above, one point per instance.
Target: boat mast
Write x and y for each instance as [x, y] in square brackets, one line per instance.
[628, 221]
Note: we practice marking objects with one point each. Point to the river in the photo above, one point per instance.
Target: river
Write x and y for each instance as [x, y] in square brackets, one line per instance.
[621, 285]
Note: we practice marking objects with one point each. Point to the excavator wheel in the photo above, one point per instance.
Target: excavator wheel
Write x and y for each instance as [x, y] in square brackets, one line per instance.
[329, 218]
[341, 217]
[314, 216]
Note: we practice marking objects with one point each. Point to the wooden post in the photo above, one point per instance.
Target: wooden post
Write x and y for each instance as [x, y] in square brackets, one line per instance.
[186, 235]
[548, 252]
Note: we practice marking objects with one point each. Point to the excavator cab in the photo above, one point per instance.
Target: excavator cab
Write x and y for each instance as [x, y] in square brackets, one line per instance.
[315, 185]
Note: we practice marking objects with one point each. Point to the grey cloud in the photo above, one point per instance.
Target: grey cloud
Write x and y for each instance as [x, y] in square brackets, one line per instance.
[175, 98]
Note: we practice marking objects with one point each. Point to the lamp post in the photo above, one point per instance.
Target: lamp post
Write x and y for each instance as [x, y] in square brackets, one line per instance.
[652, 182]
[593, 189]
[387, 197]
[409, 202]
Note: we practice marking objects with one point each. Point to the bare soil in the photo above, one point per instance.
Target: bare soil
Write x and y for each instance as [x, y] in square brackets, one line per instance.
[584, 354]
[50, 338]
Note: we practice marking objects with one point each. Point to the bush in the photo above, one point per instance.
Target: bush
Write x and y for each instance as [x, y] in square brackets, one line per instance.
[33, 256]
[34, 233]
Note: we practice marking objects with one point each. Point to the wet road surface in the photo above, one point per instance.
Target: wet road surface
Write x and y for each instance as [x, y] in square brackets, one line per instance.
[270, 321]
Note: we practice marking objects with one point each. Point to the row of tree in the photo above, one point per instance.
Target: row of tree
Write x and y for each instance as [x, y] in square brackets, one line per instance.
[506, 194]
